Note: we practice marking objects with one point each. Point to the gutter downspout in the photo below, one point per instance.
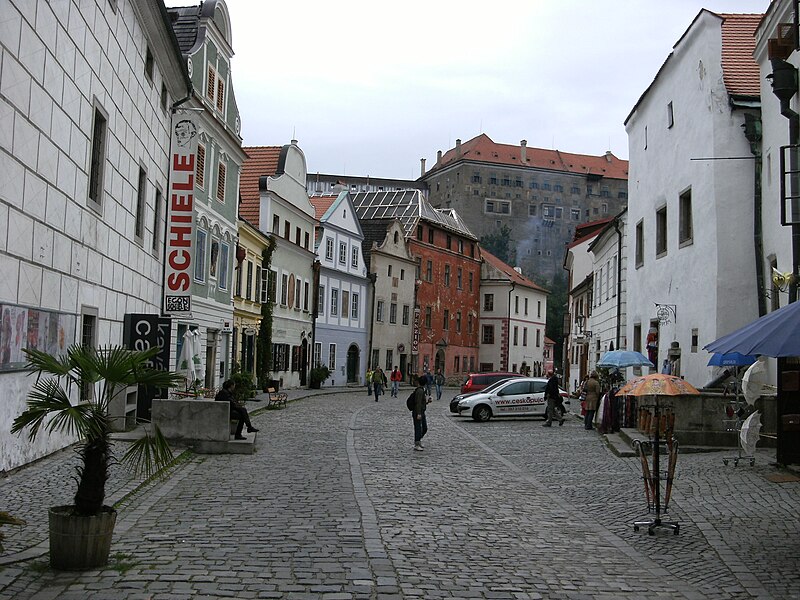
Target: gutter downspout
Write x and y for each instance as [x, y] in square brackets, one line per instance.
[619, 280]
[373, 277]
[752, 131]
[508, 344]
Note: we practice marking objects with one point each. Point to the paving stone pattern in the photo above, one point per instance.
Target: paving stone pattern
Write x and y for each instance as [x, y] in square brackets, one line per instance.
[335, 504]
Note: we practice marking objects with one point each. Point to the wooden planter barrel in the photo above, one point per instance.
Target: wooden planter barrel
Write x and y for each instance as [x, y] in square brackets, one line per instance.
[79, 543]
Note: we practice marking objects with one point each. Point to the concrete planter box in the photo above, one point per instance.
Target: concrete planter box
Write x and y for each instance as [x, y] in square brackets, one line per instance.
[205, 425]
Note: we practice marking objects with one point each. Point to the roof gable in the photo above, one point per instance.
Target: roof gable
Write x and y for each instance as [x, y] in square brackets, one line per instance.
[261, 161]
[508, 271]
[740, 70]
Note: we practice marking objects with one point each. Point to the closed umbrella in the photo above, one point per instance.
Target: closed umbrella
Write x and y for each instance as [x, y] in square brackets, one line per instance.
[186, 362]
[772, 335]
[197, 352]
[621, 359]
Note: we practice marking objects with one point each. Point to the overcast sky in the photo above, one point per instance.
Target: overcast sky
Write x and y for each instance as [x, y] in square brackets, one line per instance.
[369, 88]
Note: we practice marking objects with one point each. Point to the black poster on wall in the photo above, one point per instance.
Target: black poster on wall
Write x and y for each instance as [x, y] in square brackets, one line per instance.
[142, 331]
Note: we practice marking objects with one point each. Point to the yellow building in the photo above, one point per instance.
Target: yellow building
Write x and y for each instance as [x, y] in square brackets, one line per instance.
[250, 290]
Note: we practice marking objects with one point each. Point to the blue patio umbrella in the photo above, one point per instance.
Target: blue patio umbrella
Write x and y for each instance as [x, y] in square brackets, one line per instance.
[731, 359]
[621, 359]
[776, 335]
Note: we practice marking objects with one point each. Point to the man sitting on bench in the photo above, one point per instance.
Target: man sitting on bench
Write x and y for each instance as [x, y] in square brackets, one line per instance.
[237, 410]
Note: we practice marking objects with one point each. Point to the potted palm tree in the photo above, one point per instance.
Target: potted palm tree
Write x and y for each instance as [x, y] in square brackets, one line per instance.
[71, 395]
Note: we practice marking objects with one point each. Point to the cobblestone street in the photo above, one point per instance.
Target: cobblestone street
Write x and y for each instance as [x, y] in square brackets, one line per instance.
[335, 504]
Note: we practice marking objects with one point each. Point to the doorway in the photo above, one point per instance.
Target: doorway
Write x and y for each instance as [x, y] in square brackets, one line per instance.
[438, 362]
[303, 362]
[352, 364]
[211, 357]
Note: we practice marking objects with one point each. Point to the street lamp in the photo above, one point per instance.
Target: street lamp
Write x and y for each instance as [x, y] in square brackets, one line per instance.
[580, 321]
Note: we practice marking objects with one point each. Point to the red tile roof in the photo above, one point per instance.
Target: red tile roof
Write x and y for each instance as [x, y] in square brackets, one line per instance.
[483, 149]
[739, 69]
[509, 271]
[260, 161]
[322, 204]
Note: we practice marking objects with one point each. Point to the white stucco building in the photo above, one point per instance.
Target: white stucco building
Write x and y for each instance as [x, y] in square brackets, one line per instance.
[512, 319]
[84, 141]
[607, 320]
[691, 263]
[340, 333]
[274, 196]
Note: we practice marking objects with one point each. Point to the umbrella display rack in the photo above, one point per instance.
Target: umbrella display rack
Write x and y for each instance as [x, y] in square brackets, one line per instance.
[659, 456]
[737, 409]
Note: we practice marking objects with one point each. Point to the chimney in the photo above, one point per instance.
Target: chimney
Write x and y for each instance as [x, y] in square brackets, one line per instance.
[439, 157]
[608, 155]
[519, 269]
[458, 148]
[523, 150]
[294, 142]
[422, 167]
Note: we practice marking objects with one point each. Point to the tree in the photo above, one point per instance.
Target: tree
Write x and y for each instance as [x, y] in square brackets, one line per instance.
[498, 243]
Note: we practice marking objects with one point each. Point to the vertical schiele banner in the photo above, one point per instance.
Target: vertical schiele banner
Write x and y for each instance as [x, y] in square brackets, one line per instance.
[179, 254]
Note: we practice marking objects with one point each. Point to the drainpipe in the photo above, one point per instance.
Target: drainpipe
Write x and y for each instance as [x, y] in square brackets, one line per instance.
[508, 344]
[619, 280]
[373, 277]
[752, 131]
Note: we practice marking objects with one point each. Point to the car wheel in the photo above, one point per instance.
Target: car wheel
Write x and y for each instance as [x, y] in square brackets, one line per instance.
[482, 413]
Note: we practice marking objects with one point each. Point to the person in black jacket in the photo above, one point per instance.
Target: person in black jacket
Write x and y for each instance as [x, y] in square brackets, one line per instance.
[418, 414]
[237, 410]
[553, 397]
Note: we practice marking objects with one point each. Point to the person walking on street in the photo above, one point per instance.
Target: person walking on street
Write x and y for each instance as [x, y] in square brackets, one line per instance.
[418, 414]
[428, 381]
[369, 382]
[553, 397]
[396, 377]
[592, 390]
[438, 381]
[237, 410]
[378, 382]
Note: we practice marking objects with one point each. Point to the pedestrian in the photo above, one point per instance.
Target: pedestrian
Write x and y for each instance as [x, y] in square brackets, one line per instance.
[237, 410]
[369, 382]
[438, 381]
[428, 382]
[593, 391]
[378, 382]
[418, 414]
[396, 377]
[552, 396]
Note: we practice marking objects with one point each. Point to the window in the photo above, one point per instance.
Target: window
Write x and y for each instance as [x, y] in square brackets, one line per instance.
[524, 336]
[446, 320]
[345, 302]
[575, 190]
[321, 299]
[661, 231]
[157, 220]
[354, 258]
[639, 244]
[98, 158]
[331, 356]
[148, 64]
[493, 179]
[328, 248]
[164, 97]
[430, 235]
[459, 278]
[276, 224]
[272, 285]
[89, 339]
[487, 336]
[265, 277]
[221, 182]
[458, 321]
[335, 302]
[456, 366]
[200, 256]
[256, 282]
[670, 116]
[428, 317]
[538, 308]
[516, 305]
[531, 210]
[284, 289]
[389, 360]
[429, 271]
[305, 295]
[525, 310]
[389, 271]
[306, 240]
[575, 214]
[402, 274]
[248, 282]
[419, 232]
[498, 207]
[223, 265]
[538, 337]
[287, 229]
[393, 313]
[447, 275]
[297, 234]
[138, 224]
[354, 311]
[488, 302]
[376, 355]
[476, 177]
[685, 232]
[406, 314]
[317, 354]
[379, 311]
[449, 241]
[200, 167]
[215, 89]
[516, 335]
[694, 342]
[342, 253]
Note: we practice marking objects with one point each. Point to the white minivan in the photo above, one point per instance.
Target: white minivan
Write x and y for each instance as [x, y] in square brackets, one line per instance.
[518, 397]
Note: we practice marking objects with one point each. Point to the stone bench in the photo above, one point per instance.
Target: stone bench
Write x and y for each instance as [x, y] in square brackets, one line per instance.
[204, 425]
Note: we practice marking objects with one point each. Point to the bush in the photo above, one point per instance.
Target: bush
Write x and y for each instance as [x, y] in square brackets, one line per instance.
[245, 388]
[318, 375]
